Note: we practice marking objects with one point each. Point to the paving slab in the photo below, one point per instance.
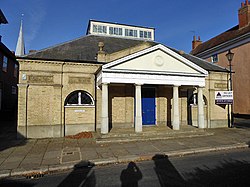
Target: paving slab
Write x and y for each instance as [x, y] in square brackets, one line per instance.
[54, 154]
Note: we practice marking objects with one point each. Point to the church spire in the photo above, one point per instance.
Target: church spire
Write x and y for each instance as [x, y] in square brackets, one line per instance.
[20, 49]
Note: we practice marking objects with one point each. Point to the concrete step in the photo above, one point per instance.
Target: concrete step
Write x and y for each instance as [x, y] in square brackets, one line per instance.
[145, 136]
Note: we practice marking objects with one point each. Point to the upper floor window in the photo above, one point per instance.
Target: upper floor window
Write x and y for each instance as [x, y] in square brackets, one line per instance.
[115, 31]
[131, 32]
[99, 29]
[5, 64]
[15, 70]
[13, 90]
[145, 34]
[214, 58]
[79, 98]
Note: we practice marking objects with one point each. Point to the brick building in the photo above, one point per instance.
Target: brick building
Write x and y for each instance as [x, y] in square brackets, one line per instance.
[236, 39]
[8, 80]
[116, 76]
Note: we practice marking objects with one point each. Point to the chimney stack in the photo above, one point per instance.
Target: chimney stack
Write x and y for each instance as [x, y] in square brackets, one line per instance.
[244, 14]
[195, 42]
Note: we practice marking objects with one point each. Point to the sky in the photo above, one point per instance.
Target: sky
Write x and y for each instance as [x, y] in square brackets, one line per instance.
[50, 22]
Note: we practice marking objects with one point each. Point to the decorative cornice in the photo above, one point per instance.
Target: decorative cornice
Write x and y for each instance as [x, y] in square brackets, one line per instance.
[57, 62]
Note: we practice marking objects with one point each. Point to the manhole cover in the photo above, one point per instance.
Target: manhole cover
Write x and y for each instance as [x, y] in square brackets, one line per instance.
[70, 155]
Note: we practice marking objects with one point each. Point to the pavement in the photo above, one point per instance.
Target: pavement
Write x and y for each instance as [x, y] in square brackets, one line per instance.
[30, 157]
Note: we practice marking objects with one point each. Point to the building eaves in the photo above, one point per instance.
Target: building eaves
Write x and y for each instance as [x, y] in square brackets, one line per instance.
[3, 20]
[62, 60]
[85, 48]
[201, 62]
[138, 26]
[7, 52]
[225, 37]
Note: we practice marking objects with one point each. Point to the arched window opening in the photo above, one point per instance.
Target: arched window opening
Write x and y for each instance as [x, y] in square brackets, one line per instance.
[79, 98]
[193, 100]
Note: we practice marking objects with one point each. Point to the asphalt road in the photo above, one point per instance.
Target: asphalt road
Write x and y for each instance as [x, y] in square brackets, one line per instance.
[230, 168]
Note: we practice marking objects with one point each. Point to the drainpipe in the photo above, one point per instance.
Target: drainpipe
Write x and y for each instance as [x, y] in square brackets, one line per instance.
[62, 118]
[26, 112]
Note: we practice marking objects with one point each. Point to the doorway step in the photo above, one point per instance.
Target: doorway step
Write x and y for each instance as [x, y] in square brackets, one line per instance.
[149, 133]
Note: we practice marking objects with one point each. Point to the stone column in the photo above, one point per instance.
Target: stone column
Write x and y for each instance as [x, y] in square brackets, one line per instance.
[105, 118]
[200, 113]
[176, 120]
[138, 109]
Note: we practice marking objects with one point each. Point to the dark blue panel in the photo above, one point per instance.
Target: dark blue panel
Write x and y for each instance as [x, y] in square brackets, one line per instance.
[148, 106]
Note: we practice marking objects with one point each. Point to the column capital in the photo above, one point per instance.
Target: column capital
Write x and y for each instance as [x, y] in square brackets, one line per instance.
[138, 84]
[106, 83]
[23, 85]
[176, 85]
[201, 87]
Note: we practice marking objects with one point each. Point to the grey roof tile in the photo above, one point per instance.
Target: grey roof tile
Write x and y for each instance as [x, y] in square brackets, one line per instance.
[201, 62]
[85, 48]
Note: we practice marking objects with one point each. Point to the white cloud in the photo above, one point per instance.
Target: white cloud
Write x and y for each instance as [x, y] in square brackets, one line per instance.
[33, 19]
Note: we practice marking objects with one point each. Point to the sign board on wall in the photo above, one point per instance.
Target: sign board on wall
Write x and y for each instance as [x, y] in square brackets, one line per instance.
[224, 97]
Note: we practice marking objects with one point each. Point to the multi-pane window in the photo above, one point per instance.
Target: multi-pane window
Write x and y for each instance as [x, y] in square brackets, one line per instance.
[5, 64]
[214, 58]
[193, 100]
[131, 33]
[13, 90]
[79, 98]
[145, 34]
[115, 31]
[15, 70]
[99, 29]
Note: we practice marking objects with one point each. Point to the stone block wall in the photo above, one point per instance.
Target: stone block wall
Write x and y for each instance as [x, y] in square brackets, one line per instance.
[43, 88]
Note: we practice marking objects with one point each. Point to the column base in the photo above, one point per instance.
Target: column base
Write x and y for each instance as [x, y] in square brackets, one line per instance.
[176, 126]
[138, 124]
[105, 125]
[201, 122]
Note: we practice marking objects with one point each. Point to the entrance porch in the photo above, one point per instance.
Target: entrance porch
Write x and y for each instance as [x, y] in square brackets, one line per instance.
[154, 68]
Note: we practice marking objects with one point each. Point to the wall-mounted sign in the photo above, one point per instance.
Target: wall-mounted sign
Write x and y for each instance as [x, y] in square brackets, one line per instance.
[79, 111]
[224, 97]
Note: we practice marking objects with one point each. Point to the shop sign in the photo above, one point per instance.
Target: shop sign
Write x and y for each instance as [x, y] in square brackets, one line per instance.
[224, 97]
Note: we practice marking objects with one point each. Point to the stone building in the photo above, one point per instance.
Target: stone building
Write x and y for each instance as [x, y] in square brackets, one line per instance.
[116, 76]
[236, 39]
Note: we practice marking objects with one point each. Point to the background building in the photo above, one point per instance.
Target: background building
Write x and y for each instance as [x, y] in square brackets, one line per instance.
[236, 39]
[8, 80]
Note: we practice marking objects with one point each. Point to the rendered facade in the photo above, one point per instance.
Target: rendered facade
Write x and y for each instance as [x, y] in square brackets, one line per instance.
[236, 39]
[116, 76]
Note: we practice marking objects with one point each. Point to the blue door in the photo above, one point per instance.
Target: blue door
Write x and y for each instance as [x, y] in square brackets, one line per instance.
[148, 106]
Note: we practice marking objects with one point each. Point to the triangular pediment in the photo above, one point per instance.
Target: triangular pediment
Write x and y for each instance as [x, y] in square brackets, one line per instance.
[157, 59]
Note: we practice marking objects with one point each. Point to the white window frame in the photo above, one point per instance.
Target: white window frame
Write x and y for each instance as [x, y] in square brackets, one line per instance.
[215, 58]
[5, 64]
[79, 100]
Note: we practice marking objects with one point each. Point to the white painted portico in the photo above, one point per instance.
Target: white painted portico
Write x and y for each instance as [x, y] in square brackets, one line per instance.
[157, 65]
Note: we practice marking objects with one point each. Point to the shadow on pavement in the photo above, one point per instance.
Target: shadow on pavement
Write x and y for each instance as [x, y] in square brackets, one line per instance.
[131, 175]
[235, 173]
[9, 134]
[82, 175]
[14, 183]
[166, 172]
